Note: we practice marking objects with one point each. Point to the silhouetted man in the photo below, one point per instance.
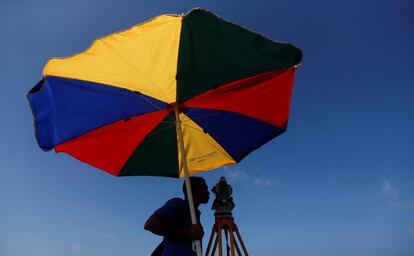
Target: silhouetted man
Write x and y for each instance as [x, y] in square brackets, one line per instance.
[173, 221]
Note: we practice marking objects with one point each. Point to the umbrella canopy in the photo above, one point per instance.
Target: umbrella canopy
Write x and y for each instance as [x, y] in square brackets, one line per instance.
[114, 106]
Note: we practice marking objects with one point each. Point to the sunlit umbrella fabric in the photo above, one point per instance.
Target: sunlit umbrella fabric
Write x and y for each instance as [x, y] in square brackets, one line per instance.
[111, 106]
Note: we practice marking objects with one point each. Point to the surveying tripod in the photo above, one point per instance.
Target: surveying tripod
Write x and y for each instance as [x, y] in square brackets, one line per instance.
[226, 224]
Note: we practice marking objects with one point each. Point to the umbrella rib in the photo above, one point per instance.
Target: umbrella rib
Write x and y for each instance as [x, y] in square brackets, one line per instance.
[161, 130]
[199, 117]
[153, 104]
[195, 128]
[206, 133]
[189, 111]
[156, 106]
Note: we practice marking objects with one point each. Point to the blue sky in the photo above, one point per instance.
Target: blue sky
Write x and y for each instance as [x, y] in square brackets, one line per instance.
[339, 182]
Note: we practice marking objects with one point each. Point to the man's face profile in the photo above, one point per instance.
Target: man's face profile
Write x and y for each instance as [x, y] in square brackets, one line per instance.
[202, 194]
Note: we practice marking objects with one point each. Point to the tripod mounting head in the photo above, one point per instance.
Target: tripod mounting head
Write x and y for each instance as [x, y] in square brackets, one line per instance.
[223, 203]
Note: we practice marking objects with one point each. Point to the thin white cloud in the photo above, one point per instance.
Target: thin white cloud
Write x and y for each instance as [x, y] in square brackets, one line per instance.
[403, 205]
[410, 230]
[392, 196]
[263, 182]
[237, 174]
[109, 235]
[75, 247]
[389, 191]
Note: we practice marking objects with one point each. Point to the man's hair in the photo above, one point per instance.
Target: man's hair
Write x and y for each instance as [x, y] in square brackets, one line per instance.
[195, 182]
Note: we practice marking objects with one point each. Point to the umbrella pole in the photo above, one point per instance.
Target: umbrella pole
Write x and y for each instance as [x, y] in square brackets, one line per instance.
[186, 176]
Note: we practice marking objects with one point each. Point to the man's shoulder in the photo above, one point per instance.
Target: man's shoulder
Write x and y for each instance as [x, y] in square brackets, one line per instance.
[176, 201]
[173, 208]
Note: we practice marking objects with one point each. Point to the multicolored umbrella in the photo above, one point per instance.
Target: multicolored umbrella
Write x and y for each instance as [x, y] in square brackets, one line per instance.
[125, 104]
[112, 106]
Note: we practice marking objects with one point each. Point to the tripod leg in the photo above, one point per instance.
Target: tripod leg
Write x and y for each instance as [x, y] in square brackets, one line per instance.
[210, 240]
[219, 241]
[214, 246]
[231, 240]
[237, 248]
[226, 234]
[241, 240]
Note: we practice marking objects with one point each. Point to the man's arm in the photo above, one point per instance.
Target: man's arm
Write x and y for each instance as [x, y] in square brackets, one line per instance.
[160, 226]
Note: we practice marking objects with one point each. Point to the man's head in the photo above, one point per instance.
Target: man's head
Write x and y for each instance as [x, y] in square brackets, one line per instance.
[201, 195]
